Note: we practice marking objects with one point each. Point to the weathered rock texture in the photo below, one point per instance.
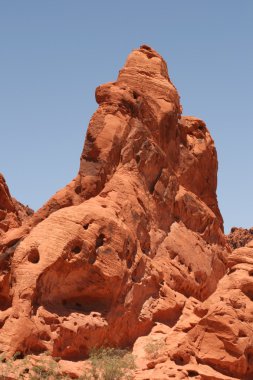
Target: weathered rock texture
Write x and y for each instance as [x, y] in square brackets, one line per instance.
[12, 212]
[133, 248]
[239, 237]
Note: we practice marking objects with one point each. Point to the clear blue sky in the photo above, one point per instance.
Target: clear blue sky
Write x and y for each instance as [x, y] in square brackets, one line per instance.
[55, 52]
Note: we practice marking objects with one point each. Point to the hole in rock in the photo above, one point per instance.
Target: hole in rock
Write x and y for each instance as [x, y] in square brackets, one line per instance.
[181, 260]
[5, 303]
[192, 373]
[168, 318]
[129, 263]
[135, 95]
[100, 240]
[139, 271]
[231, 270]
[173, 255]
[145, 251]
[78, 189]
[76, 249]
[75, 285]
[86, 226]
[242, 334]
[18, 355]
[248, 291]
[45, 336]
[137, 158]
[179, 360]
[87, 304]
[198, 277]
[33, 256]
[187, 329]
[249, 356]
[92, 258]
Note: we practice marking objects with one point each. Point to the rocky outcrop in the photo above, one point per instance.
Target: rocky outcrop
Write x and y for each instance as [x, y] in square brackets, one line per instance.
[133, 248]
[212, 339]
[239, 237]
[12, 212]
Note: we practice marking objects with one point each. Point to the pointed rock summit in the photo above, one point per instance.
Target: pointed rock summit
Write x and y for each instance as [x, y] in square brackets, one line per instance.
[12, 212]
[131, 249]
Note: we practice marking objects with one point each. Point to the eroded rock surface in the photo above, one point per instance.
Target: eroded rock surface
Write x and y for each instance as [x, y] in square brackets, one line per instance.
[239, 237]
[133, 249]
[214, 339]
[12, 212]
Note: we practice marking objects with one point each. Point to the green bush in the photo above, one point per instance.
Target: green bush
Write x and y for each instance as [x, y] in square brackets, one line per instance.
[111, 364]
[45, 368]
[106, 364]
[153, 347]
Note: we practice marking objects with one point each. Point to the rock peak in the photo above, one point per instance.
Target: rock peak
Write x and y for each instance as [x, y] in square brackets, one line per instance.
[146, 62]
[133, 248]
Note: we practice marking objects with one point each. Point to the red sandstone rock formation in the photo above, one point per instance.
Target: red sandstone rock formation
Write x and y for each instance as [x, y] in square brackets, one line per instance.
[239, 237]
[12, 212]
[133, 250]
[212, 339]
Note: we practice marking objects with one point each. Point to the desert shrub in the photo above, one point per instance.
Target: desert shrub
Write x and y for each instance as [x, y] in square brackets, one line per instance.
[110, 364]
[106, 364]
[7, 367]
[46, 368]
[153, 347]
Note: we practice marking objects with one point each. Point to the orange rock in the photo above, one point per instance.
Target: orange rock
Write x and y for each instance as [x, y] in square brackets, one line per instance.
[12, 212]
[134, 245]
[239, 237]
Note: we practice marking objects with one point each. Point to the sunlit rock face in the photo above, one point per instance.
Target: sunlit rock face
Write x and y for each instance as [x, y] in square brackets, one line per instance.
[133, 248]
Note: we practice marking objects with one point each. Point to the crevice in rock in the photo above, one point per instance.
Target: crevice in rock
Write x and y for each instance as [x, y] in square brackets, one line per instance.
[248, 291]
[192, 373]
[152, 185]
[7, 254]
[5, 302]
[100, 241]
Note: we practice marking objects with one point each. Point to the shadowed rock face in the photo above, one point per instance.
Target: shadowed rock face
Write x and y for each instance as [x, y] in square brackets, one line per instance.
[134, 245]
